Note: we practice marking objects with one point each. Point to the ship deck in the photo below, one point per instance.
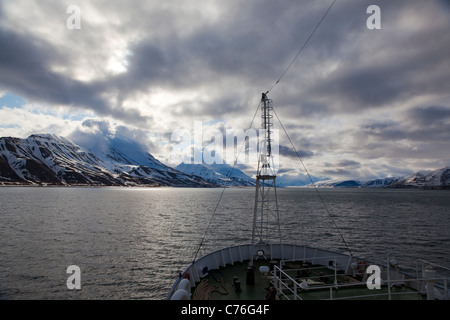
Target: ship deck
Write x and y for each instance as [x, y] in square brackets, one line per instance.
[218, 285]
[305, 273]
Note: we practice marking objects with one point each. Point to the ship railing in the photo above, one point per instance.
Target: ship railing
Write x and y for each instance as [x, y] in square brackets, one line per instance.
[427, 282]
[436, 279]
[282, 282]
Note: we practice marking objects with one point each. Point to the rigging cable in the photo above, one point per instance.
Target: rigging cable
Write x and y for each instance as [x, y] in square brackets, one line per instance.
[257, 109]
[314, 185]
[292, 144]
[223, 190]
[303, 47]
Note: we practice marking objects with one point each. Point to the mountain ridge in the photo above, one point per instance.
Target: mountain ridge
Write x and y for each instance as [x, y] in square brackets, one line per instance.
[424, 179]
[220, 174]
[47, 159]
[427, 179]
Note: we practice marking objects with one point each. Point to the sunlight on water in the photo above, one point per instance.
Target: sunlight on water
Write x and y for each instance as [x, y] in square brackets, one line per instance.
[130, 243]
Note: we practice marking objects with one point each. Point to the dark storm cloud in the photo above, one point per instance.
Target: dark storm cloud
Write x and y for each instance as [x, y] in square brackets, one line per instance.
[348, 163]
[25, 70]
[429, 124]
[238, 46]
[387, 82]
[419, 124]
[250, 44]
[288, 152]
[216, 58]
[378, 68]
[365, 87]
[433, 115]
[155, 64]
[101, 134]
[384, 131]
[339, 172]
[250, 41]
[342, 168]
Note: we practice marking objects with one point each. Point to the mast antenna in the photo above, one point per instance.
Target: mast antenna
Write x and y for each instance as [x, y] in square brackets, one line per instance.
[266, 217]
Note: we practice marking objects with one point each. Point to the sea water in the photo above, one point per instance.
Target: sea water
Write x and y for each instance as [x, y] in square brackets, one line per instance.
[131, 243]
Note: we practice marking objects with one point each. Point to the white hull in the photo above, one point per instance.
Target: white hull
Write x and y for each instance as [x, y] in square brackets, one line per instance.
[336, 261]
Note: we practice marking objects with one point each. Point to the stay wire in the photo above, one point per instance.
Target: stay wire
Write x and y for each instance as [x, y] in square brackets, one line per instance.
[313, 184]
[292, 144]
[303, 47]
[223, 190]
[235, 162]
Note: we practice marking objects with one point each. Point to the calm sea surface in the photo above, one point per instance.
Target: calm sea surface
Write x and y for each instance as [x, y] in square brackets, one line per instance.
[130, 243]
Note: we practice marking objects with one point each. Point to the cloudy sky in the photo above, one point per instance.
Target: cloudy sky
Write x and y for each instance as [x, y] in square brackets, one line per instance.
[357, 102]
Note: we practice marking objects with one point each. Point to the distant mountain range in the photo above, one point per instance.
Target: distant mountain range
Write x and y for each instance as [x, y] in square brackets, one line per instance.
[220, 174]
[375, 183]
[47, 159]
[437, 179]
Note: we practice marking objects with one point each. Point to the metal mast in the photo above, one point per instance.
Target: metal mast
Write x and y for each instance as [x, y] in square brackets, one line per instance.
[266, 218]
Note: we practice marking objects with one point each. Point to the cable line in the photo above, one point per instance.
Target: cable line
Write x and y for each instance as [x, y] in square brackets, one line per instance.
[223, 190]
[313, 184]
[292, 144]
[251, 125]
[303, 47]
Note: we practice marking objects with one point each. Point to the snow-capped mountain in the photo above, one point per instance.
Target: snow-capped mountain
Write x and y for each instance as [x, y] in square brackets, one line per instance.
[374, 183]
[219, 174]
[439, 179]
[380, 183]
[50, 159]
[336, 184]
